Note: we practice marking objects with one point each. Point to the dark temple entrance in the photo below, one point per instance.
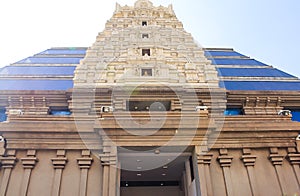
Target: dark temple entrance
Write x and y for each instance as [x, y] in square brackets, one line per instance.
[157, 173]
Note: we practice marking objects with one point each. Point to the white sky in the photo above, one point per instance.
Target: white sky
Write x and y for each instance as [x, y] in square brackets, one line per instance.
[266, 30]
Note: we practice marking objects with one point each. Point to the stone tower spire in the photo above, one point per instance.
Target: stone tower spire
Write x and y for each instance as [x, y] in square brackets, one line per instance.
[145, 43]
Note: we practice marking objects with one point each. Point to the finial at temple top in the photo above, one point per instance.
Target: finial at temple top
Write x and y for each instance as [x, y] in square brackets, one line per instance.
[143, 3]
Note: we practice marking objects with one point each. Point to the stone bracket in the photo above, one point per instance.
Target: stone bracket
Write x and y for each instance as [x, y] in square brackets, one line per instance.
[60, 161]
[85, 161]
[247, 158]
[8, 162]
[294, 159]
[29, 162]
[108, 159]
[224, 159]
[204, 159]
[276, 158]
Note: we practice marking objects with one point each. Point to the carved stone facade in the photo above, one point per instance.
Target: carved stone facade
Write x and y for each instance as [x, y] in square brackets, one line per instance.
[140, 38]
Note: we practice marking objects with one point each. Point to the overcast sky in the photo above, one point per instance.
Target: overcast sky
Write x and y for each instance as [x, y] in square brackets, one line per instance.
[267, 30]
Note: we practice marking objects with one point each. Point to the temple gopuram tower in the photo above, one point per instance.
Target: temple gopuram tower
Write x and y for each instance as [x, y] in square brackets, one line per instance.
[147, 111]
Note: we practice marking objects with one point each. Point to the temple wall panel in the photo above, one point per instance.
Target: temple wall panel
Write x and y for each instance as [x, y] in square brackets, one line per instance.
[15, 180]
[266, 175]
[94, 186]
[239, 174]
[42, 176]
[290, 180]
[71, 174]
[218, 183]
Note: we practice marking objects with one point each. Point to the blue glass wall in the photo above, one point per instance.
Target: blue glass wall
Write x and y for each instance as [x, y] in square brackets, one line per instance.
[50, 60]
[252, 72]
[233, 112]
[7, 84]
[38, 70]
[296, 115]
[222, 53]
[236, 62]
[261, 85]
[60, 112]
[64, 51]
[3, 116]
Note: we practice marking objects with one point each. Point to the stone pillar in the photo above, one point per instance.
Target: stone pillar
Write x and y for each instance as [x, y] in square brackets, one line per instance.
[110, 174]
[28, 165]
[277, 161]
[225, 162]
[249, 162]
[84, 164]
[59, 164]
[188, 176]
[185, 183]
[7, 163]
[203, 161]
[294, 159]
[119, 179]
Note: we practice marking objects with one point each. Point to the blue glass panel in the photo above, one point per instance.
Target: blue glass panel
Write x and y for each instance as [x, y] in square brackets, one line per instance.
[50, 60]
[222, 53]
[34, 70]
[296, 115]
[3, 116]
[60, 113]
[236, 62]
[260, 85]
[35, 84]
[71, 51]
[252, 72]
[233, 112]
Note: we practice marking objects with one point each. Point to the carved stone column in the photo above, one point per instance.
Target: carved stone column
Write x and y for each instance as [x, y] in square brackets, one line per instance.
[294, 159]
[225, 162]
[109, 163]
[203, 161]
[277, 161]
[188, 176]
[84, 164]
[59, 164]
[249, 162]
[28, 164]
[7, 163]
